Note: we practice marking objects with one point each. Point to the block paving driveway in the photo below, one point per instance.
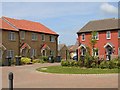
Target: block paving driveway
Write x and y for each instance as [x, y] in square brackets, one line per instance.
[26, 76]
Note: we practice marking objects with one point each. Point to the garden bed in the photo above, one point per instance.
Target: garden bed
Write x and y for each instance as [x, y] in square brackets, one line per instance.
[76, 70]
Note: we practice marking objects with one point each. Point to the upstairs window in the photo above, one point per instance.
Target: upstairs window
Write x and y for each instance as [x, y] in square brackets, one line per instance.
[83, 37]
[43, 37]
[119, 34]
[52, 39]
[22, 34]
[11, 35]
[34, 36]
[96, 36]
[108, 35]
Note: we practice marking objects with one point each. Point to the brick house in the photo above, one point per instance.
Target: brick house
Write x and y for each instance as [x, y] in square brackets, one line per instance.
[26, 38]
[63, 51]
[108, 38]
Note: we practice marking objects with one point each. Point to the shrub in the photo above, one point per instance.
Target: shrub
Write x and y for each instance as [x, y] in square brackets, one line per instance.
[93, 65]
[36, 61]
[45, 58]
[41, 61]
[104, 64]
[80, 63]
[25, 60]
[65, 63]
[73, 63]
[112, 64]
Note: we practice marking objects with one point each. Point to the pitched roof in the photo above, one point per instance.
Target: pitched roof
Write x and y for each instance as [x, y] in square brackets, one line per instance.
[100, 25]
[60, 46]
[29, 26]
[6, 26]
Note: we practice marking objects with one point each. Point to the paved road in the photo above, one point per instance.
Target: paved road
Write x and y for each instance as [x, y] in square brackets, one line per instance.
[27, 77]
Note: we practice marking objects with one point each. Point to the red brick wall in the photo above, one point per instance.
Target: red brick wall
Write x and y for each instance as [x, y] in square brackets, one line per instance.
[102, 41]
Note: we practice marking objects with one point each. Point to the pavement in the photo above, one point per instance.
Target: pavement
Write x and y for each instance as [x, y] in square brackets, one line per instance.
[26, 76]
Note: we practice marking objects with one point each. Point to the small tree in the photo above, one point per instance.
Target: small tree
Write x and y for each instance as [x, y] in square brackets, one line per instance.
[93, 41]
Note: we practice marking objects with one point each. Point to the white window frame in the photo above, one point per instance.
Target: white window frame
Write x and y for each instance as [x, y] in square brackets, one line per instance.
[83, 34]
[22, 34]
[43, 37]
[33, 52]
[11, 36]
[52, 38]
[108, 32]
[95, 52]
[51, 52]
[9, 53]
[119, 51]
[118, 33]
[97, 36]
[34, 36]
[1, 54]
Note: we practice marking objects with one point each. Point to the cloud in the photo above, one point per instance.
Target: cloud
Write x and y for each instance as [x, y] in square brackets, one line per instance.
[108, 8]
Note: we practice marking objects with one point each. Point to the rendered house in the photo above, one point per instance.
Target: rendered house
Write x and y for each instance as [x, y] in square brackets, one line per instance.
[108, 38]
[26, 38]
[63, 51]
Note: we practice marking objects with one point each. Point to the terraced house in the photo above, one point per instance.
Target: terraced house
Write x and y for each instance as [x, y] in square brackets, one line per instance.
[108, 38]
[26, 38]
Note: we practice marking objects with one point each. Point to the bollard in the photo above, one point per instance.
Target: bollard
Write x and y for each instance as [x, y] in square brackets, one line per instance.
[10, 76]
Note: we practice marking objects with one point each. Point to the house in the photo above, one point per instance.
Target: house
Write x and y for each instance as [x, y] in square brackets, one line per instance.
[63, 51]
[26, 38]
[107, 36]
[73, 50]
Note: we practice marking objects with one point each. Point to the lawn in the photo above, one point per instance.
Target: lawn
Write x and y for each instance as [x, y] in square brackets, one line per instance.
[76, 70]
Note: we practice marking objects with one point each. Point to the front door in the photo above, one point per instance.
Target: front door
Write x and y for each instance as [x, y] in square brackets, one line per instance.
[109, 51]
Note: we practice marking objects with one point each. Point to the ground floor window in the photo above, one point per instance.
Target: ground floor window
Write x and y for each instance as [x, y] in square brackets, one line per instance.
[10, 53]
[52, 53]
[83, 51]
[119, 51]
[33, 52]
[0, 54]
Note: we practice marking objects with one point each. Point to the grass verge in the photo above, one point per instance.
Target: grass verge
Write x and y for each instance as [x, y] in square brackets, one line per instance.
[76, 70]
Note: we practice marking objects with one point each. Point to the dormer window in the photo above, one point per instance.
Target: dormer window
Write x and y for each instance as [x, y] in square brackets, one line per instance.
[83, 37]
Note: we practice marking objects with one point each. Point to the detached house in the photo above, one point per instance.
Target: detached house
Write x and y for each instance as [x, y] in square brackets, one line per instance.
[108, 38]
[26, 38]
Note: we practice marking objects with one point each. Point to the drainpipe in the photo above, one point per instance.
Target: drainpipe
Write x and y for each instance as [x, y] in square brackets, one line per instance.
[19, 43]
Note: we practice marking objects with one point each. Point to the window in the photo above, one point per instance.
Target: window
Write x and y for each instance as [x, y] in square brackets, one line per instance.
[83, 37]
[51, 52]
[0, 54]
[52, 39]
[96, 36]
[34, 36]
[43, 37]
[33, 52]
[10, 53]
[11, 35]
[119, 51]
[22, 34]
[119, 34]
[95, 52]
[108, 35]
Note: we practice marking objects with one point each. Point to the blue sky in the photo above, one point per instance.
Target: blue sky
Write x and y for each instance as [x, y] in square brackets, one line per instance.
[65, 18]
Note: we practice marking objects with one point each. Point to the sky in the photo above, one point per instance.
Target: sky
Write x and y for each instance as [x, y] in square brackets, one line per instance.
[65, 18]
